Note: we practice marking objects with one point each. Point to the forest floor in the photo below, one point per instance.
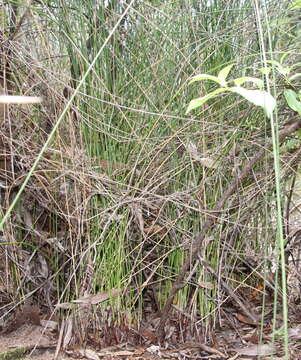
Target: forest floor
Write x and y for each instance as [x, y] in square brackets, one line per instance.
[238, 339]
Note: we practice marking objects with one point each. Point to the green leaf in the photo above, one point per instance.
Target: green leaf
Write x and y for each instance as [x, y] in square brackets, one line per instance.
[222, 75]
[296, 65]
[279, 21]
[295, 4]
[292, 101]
[274, 62]
[292, 144]
[204, 77]
[196, 103]
[285, 55]
[257, 97]
[244, 79]
[295, 76]
[265, 70]
[282, 70]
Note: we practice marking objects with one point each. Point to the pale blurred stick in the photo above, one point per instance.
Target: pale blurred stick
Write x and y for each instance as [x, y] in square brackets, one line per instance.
[12, 99]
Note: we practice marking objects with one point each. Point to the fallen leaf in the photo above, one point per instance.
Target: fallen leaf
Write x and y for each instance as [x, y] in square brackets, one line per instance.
[65, 306]
[68, 326]
[155, 229]
[49, 324]
[122, 353]
[143, 331]
[257, 350]
[97, 298]
[195, 345]
[107, 166]
[137, 210]
[294, 333]
[257, 292]
[154, 349]
[205, 161]
[211, 350]
[88, 353]
[244, 319]
[206, 285]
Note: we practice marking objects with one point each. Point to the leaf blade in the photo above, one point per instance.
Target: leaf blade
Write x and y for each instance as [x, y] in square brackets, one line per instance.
[196, 103]
[257, 97]
[222, 75]
[292, 101]
[200, 77]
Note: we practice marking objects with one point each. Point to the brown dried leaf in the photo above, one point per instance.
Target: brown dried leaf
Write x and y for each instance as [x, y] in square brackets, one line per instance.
[155, 229]
[56, 243]
[294, 333]
[98, 298]
[212, 350]
[206, 285]
[137, 210]
[43, 268]
[150, 335]
[257, 350]
[246, 320]
[154, 350]
[68, 332]
[65, 306]
[107, 165]
[49, 324]
[89, 354]
[205, 161]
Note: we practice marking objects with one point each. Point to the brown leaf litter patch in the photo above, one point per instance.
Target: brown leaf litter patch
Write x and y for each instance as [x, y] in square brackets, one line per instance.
[27, 341]
[233, 341]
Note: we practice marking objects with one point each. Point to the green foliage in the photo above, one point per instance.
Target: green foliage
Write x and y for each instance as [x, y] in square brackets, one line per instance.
[293, 100]
[257, 97]
[296, 4]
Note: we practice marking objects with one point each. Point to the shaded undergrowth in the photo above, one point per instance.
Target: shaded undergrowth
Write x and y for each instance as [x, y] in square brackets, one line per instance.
[128, 181]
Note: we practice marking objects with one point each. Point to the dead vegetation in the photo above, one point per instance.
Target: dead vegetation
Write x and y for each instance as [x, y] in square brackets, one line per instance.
[130, 243]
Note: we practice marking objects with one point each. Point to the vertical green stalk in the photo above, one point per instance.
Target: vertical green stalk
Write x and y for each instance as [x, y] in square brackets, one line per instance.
[274, 131]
